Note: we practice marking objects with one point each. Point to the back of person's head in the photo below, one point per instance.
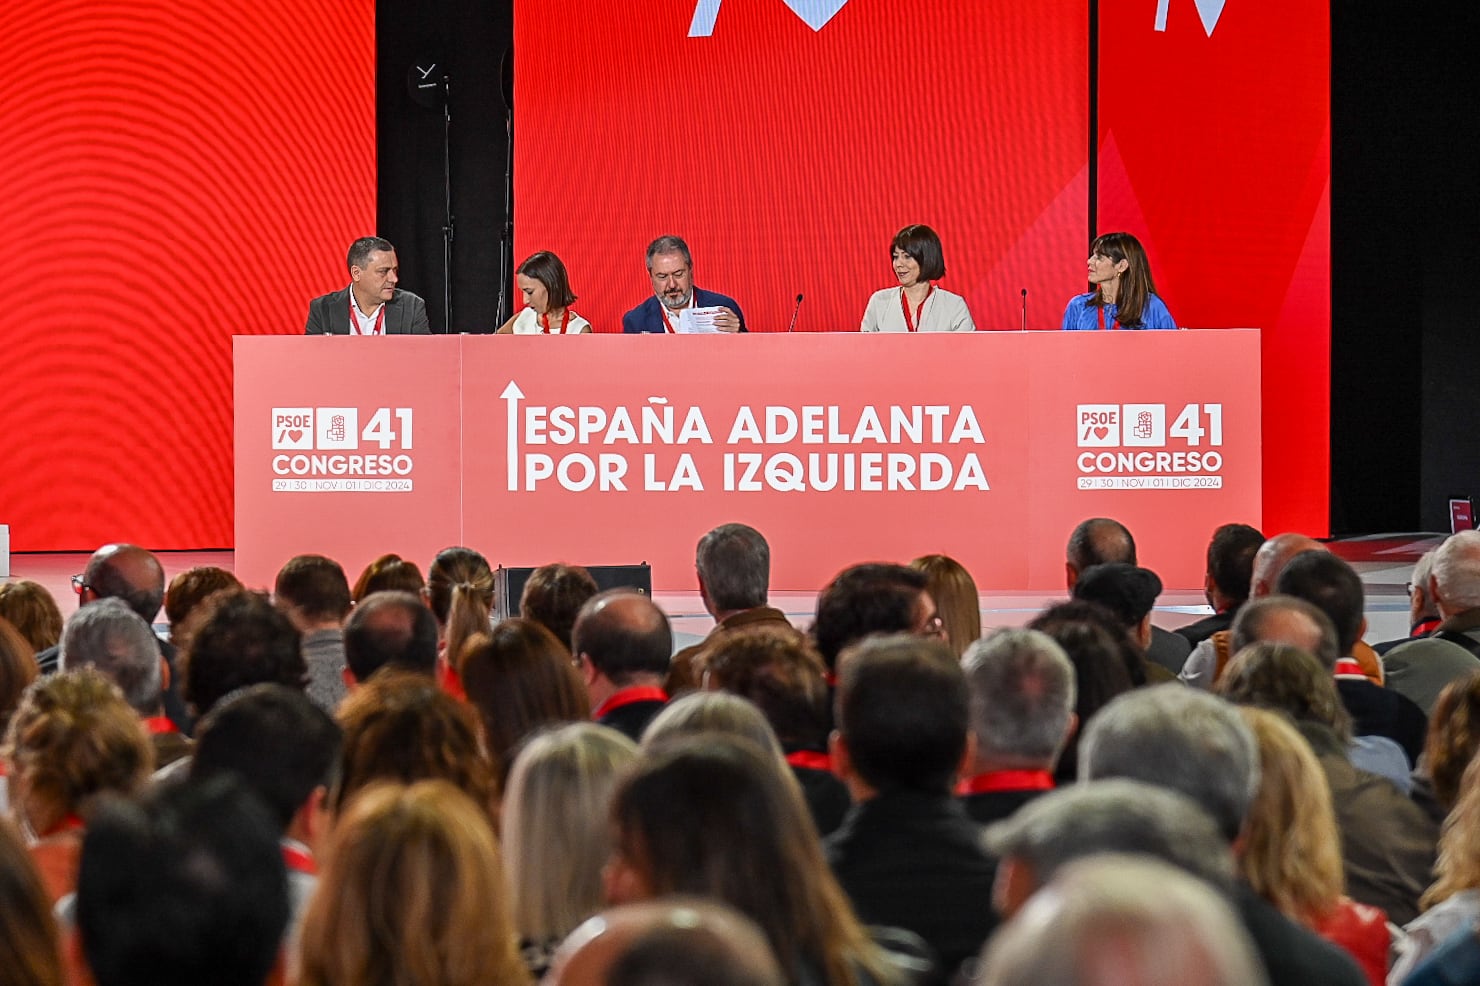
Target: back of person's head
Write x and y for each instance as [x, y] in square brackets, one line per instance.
[32, 611]
[956, 600]
[1102, 655]
[1231, 561]
[392, 629]
[188, 592]
[782, 674]
[17, 671]
[1290, 853]
[701, 713]
[1453, 737]
[411, 892]
[1179, 738]
[1111, 816]
[867, 599]
[29, 947]
[1100, 541]
[281, 745]
[519, 678]
[1456, 572]
[1125, 590]
[114, 639]
[1333, 587]
[127, 572]
[1458, 865]
[624, 635]
[312, 589]
[1113, 920]
[400, 726]
[1285, 679]
[460, 592]
[734, 565]
[1021, 685]
[186, 886]
[1279, 619]
[72, 739]
[388, 573]
[243, 640]
[556, 825]
[553, 596]
[902, 713]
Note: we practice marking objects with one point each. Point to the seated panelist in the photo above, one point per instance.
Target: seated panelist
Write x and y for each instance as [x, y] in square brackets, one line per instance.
[1122, 294]
[917, 305]
[371, 305]
[547, 299]
[671, 268]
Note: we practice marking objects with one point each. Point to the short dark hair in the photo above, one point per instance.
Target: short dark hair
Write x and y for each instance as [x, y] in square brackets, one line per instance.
[275, 740]
[1099, 540]
[185, 886]
[902, 709]
[390, 628]
[669, 244]
[923, 244]
[1231, 559]
[782, 674]
[553, 596]
[191, 588]
[109, 578]
[621, 644]
[315, 585]
[361, 249]
[243, 641]
[874, 597]
[1332, 586]
[735, 563]
[1125, 590]
[548, 269]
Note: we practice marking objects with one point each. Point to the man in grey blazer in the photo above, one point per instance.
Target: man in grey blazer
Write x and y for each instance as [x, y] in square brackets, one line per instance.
[370, 304]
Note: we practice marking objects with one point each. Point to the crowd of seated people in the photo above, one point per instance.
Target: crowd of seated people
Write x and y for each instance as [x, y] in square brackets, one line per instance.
[339, 783]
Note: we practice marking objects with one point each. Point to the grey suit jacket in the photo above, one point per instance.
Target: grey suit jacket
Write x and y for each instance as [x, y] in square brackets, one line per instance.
[405, 314]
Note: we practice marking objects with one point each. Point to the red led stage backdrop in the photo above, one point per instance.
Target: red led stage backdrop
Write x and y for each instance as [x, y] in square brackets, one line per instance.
[1215, 150]
[172, 175]
[787, 141]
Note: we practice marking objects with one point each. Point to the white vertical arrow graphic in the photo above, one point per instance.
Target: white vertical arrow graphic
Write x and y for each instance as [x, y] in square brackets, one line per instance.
[1208, 10]
[815, 13]
[512, 393]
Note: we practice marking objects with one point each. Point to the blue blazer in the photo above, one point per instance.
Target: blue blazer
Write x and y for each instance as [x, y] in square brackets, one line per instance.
[648, 316]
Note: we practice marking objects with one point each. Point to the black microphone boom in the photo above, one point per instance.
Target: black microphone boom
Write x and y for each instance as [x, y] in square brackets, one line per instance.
[1025, 309]
[794, 312]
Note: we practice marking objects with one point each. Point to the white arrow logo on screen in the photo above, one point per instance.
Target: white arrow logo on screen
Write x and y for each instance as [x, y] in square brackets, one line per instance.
[815, 12]
[512, 393]
[1208, 10]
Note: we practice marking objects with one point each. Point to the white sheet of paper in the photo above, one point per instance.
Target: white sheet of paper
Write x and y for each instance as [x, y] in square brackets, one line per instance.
[698, 321]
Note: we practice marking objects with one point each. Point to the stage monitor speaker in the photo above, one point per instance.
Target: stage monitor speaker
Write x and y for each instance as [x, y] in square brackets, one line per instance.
[508, 583]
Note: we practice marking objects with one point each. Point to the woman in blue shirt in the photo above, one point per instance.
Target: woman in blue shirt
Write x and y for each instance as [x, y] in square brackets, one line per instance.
[1123, 295]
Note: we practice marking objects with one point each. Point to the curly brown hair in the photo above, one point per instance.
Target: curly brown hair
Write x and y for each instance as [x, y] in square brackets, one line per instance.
[32, 611]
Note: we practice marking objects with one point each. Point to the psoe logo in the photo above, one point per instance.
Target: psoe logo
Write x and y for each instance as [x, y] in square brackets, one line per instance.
[815, 12]
[1210, 11]
[334, 429]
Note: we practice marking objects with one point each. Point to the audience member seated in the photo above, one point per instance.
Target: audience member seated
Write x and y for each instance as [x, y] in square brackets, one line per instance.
[1387, 842]
[185, 886]
[17, 671]
[400, 726]
[187, 592]
[710, 713]
[733, 565]
[873, 598]
[73, 739]
[622, 643]
[1290, 852]
[241, 641]
[313, 594]
[557, 832]
[1096, 647]
[1197, 744]
[1453, 739]
[28, 607]
[1420, 669]
[114, 639]
[1423, 615]
[388, 573]
[956, 600]
[389, 629]
[907, 854]
[780, 672]
[714, 816]
[553, 596]
[1021, 687]
[1096, 924]
[1129, 593]
[519, 679]
[1226, 583]
[30, 952]
[459, 590]
[412, 892]
[1102, 541]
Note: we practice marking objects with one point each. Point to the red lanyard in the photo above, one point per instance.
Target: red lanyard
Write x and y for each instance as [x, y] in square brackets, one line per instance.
[912, 324]
[297, 861]
[627, 696]
[354, 320]
[545, 322]
[1114, 322]
[1007, 780]
[810, 759]
[160, 724]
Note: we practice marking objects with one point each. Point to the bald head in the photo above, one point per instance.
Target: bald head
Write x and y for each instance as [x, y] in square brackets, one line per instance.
[1278, 619]
[127, 572]
[673, 942]
[1098, 541]
[1273, 556]
[624, 635]
[390, 628]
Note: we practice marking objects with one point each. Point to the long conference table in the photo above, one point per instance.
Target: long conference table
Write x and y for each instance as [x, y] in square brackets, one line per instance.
[838, 447]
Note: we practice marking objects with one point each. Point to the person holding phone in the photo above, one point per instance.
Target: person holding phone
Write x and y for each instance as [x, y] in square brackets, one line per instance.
[1122, 294]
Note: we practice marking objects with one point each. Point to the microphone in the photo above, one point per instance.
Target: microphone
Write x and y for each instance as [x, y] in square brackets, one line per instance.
[794, 312]
[1025, 309]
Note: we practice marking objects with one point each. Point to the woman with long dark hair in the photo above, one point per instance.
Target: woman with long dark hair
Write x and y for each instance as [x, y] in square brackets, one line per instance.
[1122, 294]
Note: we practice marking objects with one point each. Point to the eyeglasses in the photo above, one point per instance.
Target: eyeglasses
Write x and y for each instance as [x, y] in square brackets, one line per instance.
[79, 582]
[1409, 587]
[934, 627]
